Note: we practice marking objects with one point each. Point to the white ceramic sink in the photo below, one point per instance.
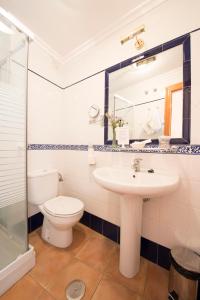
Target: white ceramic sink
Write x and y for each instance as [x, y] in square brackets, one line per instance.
[126, 181]
[133, 187]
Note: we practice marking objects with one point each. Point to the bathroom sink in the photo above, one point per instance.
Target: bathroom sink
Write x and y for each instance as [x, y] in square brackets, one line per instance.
[126, 181]
[132, 188]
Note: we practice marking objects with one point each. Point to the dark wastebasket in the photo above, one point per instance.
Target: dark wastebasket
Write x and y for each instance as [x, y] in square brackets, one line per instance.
[184, 274]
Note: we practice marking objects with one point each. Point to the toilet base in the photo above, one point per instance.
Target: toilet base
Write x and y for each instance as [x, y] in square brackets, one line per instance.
[56, 237]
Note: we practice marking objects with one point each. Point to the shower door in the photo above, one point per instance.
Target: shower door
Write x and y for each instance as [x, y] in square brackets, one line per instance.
[13, 86]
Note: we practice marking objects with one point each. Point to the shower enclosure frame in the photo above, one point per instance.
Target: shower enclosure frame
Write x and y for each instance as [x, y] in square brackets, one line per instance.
[24, 262]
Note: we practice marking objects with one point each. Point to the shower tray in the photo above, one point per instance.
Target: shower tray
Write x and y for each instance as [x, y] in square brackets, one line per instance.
[10, 274]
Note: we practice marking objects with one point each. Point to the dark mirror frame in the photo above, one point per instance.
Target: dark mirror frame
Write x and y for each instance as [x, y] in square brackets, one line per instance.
[185, 42]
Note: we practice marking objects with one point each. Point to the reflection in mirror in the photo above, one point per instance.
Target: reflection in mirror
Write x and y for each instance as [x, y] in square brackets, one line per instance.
[145, 95]
[150, 93]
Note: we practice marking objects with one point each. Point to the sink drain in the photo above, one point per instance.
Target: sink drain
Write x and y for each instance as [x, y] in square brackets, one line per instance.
[75, 290]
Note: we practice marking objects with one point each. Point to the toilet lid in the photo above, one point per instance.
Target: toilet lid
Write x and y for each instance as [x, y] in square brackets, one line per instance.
[61, 206]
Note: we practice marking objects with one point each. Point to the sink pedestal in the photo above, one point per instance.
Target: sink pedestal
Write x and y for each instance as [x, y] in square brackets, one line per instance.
[130, 234]
[132, 189]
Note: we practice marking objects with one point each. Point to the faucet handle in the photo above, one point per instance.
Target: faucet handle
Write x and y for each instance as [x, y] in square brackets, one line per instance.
[138, 159]
[136, 164]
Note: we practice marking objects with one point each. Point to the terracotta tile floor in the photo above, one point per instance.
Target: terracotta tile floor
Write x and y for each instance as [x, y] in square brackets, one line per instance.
[92, 258]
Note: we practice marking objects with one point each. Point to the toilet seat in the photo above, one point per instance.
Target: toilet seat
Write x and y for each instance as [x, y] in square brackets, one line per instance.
[62, 206]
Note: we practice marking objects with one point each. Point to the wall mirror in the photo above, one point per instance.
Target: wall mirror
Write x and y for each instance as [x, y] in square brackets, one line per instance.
[151, 92]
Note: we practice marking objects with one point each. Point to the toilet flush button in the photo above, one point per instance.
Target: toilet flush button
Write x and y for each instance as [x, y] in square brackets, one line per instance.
[75, 290]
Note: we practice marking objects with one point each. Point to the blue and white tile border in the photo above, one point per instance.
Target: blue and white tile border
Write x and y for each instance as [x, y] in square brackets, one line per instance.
[175, 149]
[57, 147]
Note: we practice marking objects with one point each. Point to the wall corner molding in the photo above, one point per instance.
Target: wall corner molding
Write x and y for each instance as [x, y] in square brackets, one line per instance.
[131, 16]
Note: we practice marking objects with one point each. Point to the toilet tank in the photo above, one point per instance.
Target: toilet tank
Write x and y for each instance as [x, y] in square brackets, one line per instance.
[42, 186]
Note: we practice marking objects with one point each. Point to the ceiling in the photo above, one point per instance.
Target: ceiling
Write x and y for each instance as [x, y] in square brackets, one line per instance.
[66, 25]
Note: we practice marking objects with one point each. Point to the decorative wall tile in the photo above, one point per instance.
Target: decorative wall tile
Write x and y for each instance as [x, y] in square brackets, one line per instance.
[187, 74]
[96, 224]
[175, 149]
[57, 147]
[163, 257]
[86, 219]
[111, 231]
[35, 222]
[153, 51]
[174, 42]
[149, 249]
[183, 40]
[187, 52]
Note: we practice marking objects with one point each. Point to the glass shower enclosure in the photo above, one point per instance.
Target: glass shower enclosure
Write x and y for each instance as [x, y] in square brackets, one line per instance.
[13, 170]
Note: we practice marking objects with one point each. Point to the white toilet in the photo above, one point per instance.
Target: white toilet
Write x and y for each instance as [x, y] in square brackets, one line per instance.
[60, 212]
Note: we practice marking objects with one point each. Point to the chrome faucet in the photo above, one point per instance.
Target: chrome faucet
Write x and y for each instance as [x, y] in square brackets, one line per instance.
[136, 164]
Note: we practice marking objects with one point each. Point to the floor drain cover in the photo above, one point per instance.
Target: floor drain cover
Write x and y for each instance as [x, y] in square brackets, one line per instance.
[75, 290]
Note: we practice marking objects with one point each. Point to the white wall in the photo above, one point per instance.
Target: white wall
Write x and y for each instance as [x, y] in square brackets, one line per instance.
[44, 111]
[170, 20]
[75, 119]
[169, 221]
[42, 63]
